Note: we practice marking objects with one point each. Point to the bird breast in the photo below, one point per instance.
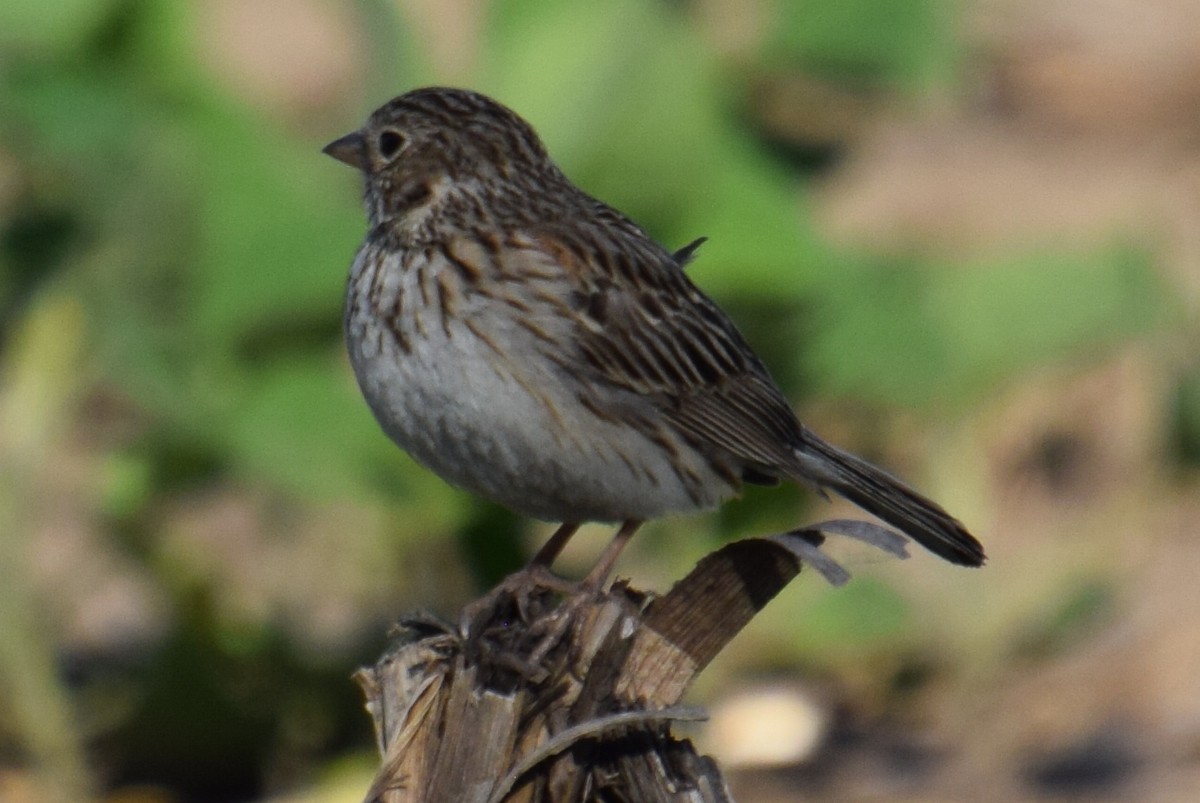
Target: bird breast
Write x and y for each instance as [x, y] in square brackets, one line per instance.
[454, 374]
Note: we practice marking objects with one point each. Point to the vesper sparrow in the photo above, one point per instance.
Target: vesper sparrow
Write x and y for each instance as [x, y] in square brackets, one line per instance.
[533, 345]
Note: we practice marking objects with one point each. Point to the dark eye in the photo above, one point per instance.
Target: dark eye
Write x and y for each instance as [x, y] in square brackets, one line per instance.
[390, 143]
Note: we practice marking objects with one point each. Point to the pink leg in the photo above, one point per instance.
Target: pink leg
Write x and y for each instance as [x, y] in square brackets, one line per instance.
[549, 553]
[599, 573]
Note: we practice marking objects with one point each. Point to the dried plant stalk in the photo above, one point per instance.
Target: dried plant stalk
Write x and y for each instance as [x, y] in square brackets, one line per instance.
[546, 692]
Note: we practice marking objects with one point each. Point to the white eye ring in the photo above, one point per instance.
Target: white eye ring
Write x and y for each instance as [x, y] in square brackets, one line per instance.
[390, 142]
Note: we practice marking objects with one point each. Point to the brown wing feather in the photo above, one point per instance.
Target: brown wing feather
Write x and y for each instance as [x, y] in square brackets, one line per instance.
[646, 328]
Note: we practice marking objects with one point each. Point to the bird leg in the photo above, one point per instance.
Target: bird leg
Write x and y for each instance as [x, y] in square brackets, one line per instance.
[599, 573]
[549, 553]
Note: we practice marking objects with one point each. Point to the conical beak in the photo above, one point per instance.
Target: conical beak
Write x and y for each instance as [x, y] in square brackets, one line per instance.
[351, 149]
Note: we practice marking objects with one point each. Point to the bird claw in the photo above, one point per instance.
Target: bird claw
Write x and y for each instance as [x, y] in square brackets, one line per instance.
[523, 590]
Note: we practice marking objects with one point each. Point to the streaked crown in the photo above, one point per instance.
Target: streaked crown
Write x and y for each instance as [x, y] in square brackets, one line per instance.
[429, 148]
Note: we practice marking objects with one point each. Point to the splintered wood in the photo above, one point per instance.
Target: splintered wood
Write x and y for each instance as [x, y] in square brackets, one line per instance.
[549, 693]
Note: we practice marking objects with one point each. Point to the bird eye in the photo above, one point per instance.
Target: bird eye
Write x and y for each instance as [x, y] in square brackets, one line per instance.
[390, 143]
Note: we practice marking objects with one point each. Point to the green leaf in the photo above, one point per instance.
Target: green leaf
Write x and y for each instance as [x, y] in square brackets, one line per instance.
[50, 28]
[900, 42]
[301, 425]
[279, 224]
[914, 335]
[635, 111]
[862, 614]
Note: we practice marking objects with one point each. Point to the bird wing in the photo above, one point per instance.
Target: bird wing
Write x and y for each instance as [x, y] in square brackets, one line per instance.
[644, 327]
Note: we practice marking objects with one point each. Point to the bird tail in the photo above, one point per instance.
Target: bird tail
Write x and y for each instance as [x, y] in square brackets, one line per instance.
[884, 496]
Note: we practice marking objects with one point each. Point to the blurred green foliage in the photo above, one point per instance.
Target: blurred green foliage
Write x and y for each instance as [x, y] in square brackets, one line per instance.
[903, 43]
[210, 243]
[206, 242]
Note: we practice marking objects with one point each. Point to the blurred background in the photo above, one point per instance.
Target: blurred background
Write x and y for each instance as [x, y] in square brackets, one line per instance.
[964, 234]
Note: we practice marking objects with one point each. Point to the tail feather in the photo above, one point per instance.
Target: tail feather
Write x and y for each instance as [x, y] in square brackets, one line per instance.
[884, 496]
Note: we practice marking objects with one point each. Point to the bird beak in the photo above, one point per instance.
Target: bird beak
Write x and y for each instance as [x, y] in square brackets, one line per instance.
[351, 149]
